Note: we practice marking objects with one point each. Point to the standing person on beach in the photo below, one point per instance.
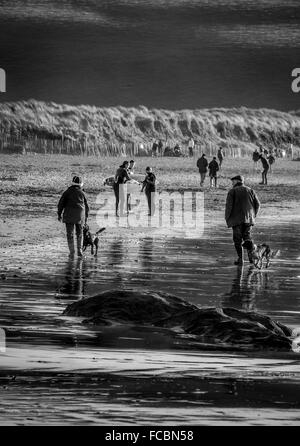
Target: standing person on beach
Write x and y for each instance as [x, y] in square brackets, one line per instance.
[271, 160]
[149, 187]
[191, 147]
[131, 167]
[119, 187]
[266, 167]
[123, 149]
[255, 157]
[220, 156]
[74, 206]
[202, 164]
[213, 169]
[160, 147]
[242, 206]
[130, 171]
[154, 148]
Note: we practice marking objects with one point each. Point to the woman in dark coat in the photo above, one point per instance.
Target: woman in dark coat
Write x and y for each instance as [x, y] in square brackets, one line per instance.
[120, 179]
[73, 209]
[255, 157]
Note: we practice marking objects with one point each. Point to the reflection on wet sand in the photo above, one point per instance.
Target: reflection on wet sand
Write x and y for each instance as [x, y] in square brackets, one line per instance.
[115, 257]
[246, 284]
[116, 252]
[196, 271]
[146, 254]
[73, 286]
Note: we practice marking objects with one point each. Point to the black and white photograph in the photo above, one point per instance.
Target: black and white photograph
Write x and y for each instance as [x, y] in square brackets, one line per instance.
[149, 215]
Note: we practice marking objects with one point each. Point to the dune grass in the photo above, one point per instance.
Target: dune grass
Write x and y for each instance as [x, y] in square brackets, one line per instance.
[59, 128]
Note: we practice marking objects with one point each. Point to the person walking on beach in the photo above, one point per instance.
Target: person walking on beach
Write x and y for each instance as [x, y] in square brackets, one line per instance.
[242, 206]
[191, 147]
[220, 155]
[255, 158]
[74, 207]
[213, 168]
[266, 167]
[123, 150]
[149, 187]
[160, 147]
[202, 164]
[119, 187]
[154, 149]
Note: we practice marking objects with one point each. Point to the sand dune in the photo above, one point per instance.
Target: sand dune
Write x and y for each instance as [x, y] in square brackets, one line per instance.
[69, 126]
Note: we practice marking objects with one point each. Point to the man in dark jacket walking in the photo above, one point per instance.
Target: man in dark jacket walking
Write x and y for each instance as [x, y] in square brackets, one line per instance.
[242, 206]
[213, 169]
[202, 164]
[73, 204]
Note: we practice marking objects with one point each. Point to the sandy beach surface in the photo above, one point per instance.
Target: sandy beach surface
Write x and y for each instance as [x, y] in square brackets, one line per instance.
[56, 370]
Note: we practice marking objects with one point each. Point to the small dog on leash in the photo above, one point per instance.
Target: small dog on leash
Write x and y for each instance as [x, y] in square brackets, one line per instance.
[91, 240]
[259, 253]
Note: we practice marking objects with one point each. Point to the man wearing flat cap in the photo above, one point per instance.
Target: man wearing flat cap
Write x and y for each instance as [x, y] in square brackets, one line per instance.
[242, 206]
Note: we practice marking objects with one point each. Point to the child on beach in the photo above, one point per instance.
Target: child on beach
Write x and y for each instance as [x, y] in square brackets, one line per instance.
[149, 187]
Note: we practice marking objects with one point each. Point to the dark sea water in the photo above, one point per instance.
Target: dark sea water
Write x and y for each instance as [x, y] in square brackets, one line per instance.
[159, 53]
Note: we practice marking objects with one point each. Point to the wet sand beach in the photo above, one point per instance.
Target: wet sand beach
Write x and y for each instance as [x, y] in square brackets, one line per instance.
[58, 371]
